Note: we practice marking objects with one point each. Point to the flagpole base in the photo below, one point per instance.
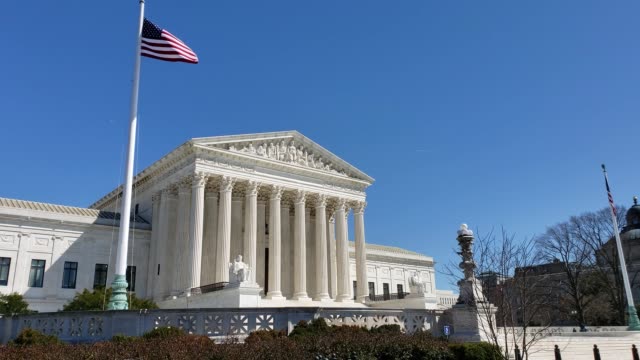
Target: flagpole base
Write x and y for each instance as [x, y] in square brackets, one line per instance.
[634, 322]
[118, 300]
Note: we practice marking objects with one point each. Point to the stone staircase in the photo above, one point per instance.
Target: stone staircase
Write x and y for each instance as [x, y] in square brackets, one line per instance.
[579, 346]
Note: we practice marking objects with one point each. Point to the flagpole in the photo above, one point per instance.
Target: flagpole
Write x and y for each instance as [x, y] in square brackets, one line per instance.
[118, 300]
[634, 322]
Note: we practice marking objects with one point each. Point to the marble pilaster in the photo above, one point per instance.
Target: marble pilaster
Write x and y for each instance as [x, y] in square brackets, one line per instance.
[182, 238]
[152, 277]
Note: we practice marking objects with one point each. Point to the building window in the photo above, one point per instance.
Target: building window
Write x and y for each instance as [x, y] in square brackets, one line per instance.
[400, 289]
[69, 275]
[5, 264]
[36, 275]
[385, 291]
[131, 278]
[100, 276]
[372, 290]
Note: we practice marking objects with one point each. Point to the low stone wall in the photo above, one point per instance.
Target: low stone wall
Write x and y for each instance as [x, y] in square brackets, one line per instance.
[91, 326]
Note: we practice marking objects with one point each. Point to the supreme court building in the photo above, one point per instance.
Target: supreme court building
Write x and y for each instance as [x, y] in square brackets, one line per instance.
[279, 200]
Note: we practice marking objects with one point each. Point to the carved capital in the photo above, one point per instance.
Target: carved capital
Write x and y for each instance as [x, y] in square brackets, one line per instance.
[358, 208]
[342, 205]
[156, 196]
[321, 201]
[199, 180]
[252, 188]
[226, 184]
[184, 185]
[276, 193]
[300, 197]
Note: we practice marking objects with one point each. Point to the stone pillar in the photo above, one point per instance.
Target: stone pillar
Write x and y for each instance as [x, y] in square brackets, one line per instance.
[251, 228]
[179, 270]
[223, 247]
[311, 260]
[361, 253]
[207, 275]
[274, 245]
[152, 273]
[333, 259]
[236, 226]
[260, 258]
[166, 240]
[286, 248]
[300, 250]
[322, 278]
[342, 250]
[194, 259]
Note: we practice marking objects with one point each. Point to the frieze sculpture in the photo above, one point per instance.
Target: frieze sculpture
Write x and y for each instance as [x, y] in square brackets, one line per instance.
[239, 271]
[286, 152]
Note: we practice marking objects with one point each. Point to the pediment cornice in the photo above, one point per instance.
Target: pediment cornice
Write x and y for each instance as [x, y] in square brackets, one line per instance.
[289, 148]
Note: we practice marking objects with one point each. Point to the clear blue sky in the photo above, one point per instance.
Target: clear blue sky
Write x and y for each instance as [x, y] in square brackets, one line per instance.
[486, 112]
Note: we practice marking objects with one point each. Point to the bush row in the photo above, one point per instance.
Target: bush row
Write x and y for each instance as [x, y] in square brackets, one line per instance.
[315, 340]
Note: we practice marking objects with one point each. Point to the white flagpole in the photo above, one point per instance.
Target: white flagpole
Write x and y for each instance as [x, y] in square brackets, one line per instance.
[118, 300]
[634, 322]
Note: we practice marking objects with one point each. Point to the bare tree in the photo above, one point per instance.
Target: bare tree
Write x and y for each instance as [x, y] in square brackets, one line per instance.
[571, 259]
[509, 291]
[596, 231]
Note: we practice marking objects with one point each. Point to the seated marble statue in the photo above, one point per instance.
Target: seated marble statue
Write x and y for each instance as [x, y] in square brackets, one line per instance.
[238, 271]
[417, 287]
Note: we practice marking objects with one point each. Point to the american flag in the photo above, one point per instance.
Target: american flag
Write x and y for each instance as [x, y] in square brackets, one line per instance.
[160, 44]
[606, 182]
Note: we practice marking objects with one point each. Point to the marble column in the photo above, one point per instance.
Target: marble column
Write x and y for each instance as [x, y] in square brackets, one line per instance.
[236, 226]
[166, 242]
[300, 249]
[287, 223]
[342, 250]
[361, 253]
[251, 228]
[274, 244]
[182, 238]
[152, 274]
[333, 259]
[194, 258]
[223, 246]
[260, 259]
[322, 278]
[207, 275]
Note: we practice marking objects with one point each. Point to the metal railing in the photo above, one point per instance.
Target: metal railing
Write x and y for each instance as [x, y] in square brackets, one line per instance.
[385, 297]
[209, 288]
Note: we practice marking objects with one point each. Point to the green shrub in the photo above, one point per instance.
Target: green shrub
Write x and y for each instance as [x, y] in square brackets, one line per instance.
[120, 338]
[315, 328]
[264, 336]
[386, 329]
[476, 351]
[98, 299]
[164, 333]
[33, 337]
[13, 304]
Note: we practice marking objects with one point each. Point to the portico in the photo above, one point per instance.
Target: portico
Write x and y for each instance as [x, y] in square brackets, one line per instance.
[278, 199]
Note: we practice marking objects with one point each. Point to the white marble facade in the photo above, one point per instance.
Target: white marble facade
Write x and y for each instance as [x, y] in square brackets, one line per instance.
[281, 201]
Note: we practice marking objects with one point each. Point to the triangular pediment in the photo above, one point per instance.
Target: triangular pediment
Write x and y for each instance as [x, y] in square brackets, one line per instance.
[288, 147]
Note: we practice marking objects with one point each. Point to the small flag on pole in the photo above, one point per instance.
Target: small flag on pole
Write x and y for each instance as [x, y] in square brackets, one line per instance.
[160, 44]
[606, 181]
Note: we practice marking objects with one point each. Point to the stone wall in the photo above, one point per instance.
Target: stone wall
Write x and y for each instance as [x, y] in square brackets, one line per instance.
[89, 326]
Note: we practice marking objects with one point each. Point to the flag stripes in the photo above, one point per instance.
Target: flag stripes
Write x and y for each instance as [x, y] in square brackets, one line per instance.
[613, 206]
[160, 44]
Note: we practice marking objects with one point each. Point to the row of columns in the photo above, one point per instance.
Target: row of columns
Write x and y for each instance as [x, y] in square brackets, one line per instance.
[198, 212]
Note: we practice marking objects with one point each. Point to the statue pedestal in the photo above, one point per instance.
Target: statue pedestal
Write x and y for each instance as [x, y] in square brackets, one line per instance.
[234, 295]
[472, 323]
